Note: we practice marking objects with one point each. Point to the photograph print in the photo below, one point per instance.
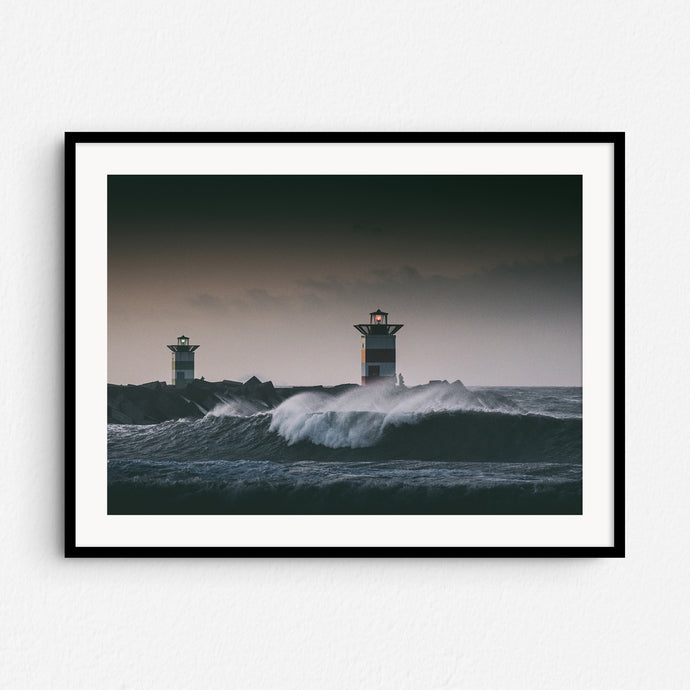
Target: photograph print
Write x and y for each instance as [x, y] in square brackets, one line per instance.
[360, 345]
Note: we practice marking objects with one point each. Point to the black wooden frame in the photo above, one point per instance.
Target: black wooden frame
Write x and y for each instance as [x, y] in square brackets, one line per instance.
[617, 139]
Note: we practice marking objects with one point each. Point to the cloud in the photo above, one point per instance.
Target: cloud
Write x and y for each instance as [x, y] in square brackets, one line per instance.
[259, 299]
[549, 289]
[209, 303]
[517, 289]
[330, 284]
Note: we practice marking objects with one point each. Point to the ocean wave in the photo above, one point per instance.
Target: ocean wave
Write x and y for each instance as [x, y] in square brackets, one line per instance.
[261, 487]
[436, 449]
[444, 421]
[457, 435]
[359, 418]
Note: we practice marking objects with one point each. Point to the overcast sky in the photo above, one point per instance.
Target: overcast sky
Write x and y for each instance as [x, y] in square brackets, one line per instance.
[269, 273]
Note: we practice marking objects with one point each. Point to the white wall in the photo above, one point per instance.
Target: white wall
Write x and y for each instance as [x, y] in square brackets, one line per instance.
[355, 65]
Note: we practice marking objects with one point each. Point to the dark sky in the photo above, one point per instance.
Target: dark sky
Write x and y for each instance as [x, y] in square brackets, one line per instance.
[268, 273]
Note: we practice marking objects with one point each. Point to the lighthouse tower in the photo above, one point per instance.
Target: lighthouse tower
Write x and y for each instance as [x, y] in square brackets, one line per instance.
[182, 362]
[378, 348]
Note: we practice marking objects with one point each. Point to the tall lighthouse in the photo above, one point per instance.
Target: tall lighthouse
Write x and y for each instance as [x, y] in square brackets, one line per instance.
[378, 347]
[182, 362]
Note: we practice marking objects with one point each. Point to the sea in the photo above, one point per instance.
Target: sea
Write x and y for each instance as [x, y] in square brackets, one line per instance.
[440, 448]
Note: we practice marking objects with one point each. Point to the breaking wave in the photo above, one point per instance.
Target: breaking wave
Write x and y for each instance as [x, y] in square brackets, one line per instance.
[437, 423]
[436, 449]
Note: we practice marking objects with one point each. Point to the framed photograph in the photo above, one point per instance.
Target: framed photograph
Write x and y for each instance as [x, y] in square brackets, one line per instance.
[346, 344]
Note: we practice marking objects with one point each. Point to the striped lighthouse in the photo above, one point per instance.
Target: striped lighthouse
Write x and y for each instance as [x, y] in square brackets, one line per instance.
[378, 348]
[182, 362]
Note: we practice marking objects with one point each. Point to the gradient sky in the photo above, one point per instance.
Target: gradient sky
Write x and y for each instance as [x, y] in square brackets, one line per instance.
[268, 273]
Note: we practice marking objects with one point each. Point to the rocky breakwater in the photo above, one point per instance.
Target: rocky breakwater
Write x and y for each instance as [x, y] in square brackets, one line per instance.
[151, 403]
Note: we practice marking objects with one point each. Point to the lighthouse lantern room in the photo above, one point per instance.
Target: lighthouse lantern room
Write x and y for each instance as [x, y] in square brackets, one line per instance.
[378, 347]
[182, 362]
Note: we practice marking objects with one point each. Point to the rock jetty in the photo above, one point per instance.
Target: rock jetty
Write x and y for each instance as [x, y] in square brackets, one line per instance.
[154, 402]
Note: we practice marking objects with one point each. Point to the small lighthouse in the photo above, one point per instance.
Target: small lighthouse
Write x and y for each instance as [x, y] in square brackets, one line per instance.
[378, 347]
[182, 362]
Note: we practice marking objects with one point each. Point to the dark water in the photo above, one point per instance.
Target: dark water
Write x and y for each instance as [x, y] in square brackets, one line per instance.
[439, 449]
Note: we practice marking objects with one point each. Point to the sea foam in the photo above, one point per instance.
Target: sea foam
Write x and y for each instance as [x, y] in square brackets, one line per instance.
[359, 417]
